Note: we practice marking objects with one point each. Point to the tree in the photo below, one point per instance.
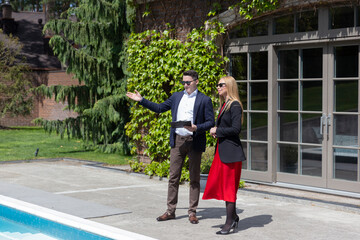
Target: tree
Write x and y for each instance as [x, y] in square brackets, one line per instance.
[26, 5]
[56, 7]
[90, 41]
[15, 97]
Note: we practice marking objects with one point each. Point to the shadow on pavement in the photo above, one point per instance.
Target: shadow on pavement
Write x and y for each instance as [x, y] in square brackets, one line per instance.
[255, 221]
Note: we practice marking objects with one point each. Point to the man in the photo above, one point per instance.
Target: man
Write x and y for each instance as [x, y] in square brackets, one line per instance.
[188, 105]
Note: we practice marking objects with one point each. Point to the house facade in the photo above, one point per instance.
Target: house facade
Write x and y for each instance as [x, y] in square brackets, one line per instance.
[298, 74]
[45, 67]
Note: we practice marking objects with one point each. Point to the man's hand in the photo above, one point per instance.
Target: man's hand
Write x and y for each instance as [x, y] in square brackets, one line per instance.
[191, 128]
[134, 96]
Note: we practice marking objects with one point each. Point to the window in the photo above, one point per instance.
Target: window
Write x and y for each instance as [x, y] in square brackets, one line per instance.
[299, 111]
[251, 72]
[312, 63]
[307, 21]
[341, 17]
[238, 32]
[239, 66]
[258, 29]
[346, 96]
[346, 61]
[284, 24]
[250, 29]
[301, 22]
[289, 66]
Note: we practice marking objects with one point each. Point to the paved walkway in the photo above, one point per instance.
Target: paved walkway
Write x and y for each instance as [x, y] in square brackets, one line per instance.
[138, 200]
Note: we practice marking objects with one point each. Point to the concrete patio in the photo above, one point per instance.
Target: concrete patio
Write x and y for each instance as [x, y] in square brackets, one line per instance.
[133, 201]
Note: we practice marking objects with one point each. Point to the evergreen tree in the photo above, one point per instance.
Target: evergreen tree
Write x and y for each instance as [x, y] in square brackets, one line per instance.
[90, 41]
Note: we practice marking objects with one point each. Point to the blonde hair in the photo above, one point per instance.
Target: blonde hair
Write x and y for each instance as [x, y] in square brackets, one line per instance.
[232, 94]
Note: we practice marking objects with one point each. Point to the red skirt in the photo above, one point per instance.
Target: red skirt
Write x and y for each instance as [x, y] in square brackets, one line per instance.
[223, 180]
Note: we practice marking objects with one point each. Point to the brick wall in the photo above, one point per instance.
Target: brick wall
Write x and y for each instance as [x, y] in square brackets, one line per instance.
[44, 108]
[183, 15]
[9, 121]
[48, 108]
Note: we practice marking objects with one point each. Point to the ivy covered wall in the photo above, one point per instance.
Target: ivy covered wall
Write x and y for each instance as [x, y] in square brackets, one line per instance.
[182, 15]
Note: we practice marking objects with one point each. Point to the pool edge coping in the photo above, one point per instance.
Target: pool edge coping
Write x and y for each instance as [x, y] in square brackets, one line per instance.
[70, 220]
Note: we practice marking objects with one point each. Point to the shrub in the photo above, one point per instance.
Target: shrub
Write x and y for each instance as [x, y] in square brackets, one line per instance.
[163, 169]
[185, 175]
[241, 184]
[206, 160]
[150, 169]
[136, 166]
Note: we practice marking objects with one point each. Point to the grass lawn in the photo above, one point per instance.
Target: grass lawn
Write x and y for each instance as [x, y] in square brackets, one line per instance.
[21, 143]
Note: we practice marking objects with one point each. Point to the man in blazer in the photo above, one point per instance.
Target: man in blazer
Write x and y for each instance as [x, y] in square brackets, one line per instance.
[188, 105]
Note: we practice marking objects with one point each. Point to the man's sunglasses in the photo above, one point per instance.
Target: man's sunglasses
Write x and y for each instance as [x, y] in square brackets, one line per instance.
[220, 85]
[187, 82]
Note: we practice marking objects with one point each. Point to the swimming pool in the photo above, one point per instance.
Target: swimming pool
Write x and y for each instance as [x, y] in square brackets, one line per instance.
[24, 221]
[12, 230]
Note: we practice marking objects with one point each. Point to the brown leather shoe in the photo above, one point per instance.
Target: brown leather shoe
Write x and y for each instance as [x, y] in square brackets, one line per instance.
[166, 216]
[193, 219]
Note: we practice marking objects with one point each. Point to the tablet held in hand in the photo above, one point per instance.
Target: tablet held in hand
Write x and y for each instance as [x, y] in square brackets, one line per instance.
[180, 124]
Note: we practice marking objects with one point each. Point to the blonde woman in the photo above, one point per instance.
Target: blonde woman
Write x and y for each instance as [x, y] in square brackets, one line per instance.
[225, 172]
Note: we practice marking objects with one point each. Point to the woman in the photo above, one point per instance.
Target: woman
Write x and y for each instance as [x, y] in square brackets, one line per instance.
[224, 176]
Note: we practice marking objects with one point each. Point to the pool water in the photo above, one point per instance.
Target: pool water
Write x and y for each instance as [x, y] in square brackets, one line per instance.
[19, 225]
[12, 230]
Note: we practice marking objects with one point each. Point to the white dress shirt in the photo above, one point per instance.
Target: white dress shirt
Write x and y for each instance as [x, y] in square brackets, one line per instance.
[185, 112]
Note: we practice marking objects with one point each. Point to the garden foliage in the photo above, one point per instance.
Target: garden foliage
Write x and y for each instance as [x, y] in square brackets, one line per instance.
[250, 8]
[90, 41]
[15, 97]
[156, 62]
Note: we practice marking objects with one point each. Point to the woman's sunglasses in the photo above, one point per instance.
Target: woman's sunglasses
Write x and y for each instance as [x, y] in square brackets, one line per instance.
[220, 85]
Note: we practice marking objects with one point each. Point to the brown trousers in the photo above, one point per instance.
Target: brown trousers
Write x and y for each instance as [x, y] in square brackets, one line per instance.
[183, 148]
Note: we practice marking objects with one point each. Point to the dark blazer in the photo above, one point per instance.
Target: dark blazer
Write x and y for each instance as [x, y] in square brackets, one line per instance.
[203, 116]
[228, 130]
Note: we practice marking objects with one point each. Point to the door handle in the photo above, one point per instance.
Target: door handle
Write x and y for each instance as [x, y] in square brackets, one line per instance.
[322, 123]
[328, 123]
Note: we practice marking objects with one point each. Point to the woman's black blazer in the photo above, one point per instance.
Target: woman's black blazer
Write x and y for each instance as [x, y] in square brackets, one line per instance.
[228, 130]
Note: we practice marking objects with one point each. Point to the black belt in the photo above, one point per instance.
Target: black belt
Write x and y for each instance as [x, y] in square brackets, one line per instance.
[185, 138]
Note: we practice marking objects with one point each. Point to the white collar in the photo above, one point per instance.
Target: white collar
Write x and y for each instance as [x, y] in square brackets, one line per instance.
[193, 94]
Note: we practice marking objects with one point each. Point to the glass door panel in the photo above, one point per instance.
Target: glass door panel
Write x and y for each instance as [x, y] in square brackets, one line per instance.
[346, 96]
[311, 159]
[288, 155]
[289, 95]
[345, 130]
[259, 126]
[344, 113]
[288, 126]
[250, 69]
[259, 66]
[346, 61]
[311, 95]
[259, 159]
[311, 131]
[311, 63]
[300, 114]
[259, 99]
[345, 164]
[289, 64]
